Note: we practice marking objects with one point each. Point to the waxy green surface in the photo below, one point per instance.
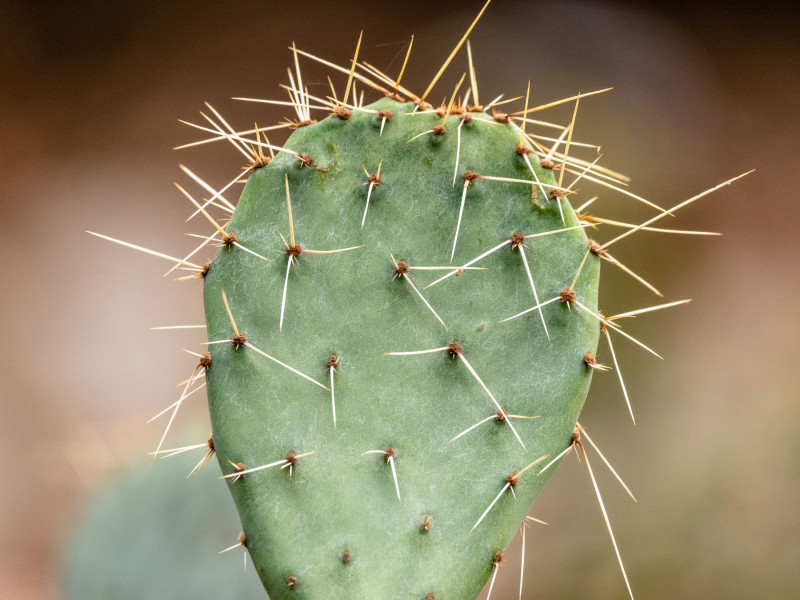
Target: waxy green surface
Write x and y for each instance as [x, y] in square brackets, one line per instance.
[350, 304]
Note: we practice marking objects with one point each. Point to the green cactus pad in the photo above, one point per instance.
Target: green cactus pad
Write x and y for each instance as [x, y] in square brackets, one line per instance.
[151, 534]
[331, 525]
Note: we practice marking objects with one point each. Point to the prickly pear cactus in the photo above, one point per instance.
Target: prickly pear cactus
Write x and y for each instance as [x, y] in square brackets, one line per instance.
[386, 483]
[402, 325]
[150, 534]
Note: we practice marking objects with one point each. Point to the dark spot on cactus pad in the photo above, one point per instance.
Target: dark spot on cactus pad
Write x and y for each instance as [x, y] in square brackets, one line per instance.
[237, 468]
[333, 362]
[305, 160]
[238, 340]
[230, 239]
[576, 437]
[469, 175]
[205, 361]
[385, 114]
[389, 453]
[596, 249]
[439, 129]
[497, 560]
[512, 478]
[501, 117]
[259, 161]
[454, 349]
[501, 415]
[294, 250]
[522, 150]
[567, 296]
[590, 361]
[346, 556]
[517, 239]
[291, 581]
[547, 163]
[291, 458]
[426, 524]
[342, 112]
[401, 268]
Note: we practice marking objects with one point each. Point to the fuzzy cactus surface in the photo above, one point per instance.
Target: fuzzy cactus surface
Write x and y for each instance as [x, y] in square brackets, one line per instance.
[366, 306]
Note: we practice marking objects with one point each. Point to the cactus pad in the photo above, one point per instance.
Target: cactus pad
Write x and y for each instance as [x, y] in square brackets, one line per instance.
[385, 486]
[149, 534]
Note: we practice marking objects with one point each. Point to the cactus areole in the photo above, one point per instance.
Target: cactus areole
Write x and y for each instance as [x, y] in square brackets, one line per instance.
[379, 372]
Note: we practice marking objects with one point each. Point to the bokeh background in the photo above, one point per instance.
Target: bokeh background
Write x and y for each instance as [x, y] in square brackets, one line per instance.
[90, 94]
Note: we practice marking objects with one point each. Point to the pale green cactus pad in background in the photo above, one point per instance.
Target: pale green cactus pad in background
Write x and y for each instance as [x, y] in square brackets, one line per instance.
[151, 534]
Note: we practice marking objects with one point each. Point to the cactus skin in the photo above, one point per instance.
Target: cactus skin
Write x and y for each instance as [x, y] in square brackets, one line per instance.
[348, 304]
[151, 534]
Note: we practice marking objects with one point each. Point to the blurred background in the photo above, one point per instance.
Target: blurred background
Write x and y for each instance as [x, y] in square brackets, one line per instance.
[90, 99]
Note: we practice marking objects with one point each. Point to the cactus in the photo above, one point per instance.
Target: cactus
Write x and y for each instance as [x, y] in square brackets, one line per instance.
[403, 324]
[366, 307]
[151, 525]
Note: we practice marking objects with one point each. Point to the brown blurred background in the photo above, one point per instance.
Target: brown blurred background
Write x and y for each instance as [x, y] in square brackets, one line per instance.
[89, 101]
